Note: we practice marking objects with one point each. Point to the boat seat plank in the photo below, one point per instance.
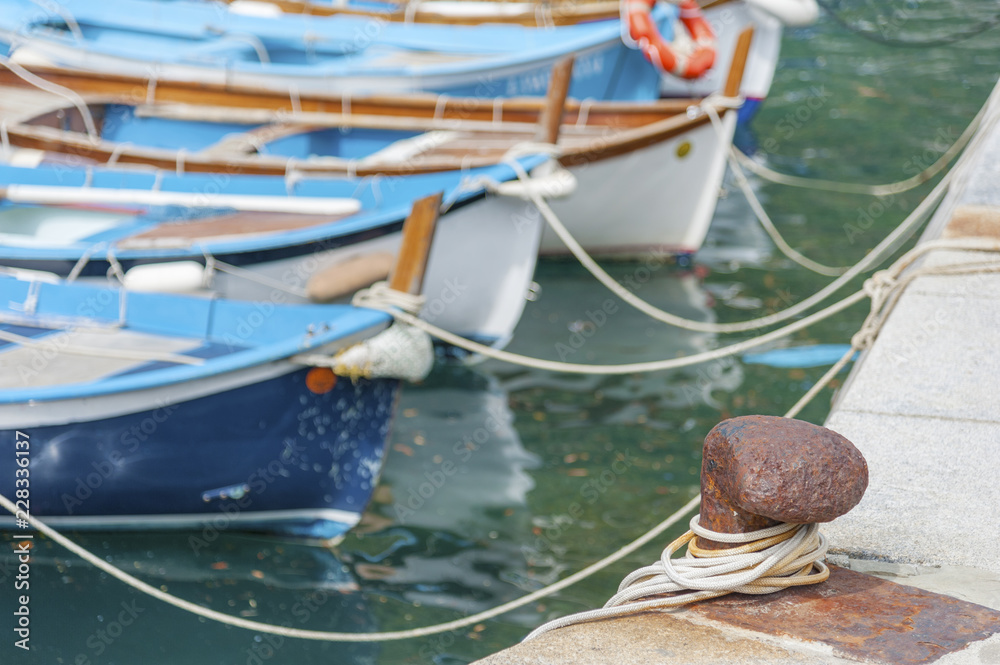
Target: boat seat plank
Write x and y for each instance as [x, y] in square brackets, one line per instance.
[19, 367]
[242, 224]
[207, 350]
[248, 142]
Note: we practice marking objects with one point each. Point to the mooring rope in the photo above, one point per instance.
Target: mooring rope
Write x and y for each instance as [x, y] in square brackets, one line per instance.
[612, 369]
[769, 559]
[986, 111]
[373, 299]
[885, 293]
[839, 187]
[761, 213]
[989, 115]
[766, 560]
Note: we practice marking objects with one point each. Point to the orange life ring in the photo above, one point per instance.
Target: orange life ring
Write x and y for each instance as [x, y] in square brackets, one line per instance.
[690, 63]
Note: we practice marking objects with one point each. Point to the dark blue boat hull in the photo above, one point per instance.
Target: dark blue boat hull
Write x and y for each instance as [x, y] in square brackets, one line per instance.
[271, 456]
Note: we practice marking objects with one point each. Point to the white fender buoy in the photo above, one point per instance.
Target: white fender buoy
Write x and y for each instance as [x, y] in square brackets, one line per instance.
[29, 275]
[398, 352]
[171, 277]
[255, 8]
[555, 184]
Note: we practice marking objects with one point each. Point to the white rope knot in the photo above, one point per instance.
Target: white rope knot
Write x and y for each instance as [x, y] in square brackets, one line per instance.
[718, 100]
[379, 296]
[879, 285]
[764, 561]
[529, 148]
[863, 339]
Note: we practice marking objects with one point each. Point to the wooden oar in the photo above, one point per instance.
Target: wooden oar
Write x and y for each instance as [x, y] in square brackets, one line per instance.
[739, 63]
[555, 102]
[405, 270]
[418, 236]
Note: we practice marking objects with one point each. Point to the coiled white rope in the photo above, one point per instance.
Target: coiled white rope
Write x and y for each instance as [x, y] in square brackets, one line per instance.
[766, 560]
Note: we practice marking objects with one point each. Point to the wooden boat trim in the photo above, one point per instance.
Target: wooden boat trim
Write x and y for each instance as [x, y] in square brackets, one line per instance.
[138, 91]
[596, 146]
[324, 120]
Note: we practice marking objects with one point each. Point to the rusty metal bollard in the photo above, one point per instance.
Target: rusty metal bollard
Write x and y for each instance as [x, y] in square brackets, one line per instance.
[758, 471]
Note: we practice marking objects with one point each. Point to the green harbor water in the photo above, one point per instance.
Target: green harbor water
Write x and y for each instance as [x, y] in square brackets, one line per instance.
[502, 480]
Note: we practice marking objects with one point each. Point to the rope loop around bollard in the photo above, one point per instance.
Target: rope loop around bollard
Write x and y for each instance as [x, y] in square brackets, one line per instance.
[765, 561]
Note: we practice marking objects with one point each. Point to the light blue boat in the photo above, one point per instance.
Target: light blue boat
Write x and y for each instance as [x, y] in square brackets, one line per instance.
[158, 411]
[269, 239]
[211, 44]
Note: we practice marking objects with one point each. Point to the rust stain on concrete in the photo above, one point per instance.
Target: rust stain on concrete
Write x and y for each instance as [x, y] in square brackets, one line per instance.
[861, 617]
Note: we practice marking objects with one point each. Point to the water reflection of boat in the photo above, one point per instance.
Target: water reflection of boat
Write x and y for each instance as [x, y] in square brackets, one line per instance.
[574, 319]
[457, 466]
[263, 579]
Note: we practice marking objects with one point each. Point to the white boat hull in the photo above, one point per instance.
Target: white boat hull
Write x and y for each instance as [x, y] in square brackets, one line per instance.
[659, 198]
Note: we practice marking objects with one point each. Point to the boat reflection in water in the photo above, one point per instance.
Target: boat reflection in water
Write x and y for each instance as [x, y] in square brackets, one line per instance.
[574, 319]
[452, 501]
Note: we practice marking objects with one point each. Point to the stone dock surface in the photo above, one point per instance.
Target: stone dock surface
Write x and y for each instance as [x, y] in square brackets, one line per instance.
[918, 576]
